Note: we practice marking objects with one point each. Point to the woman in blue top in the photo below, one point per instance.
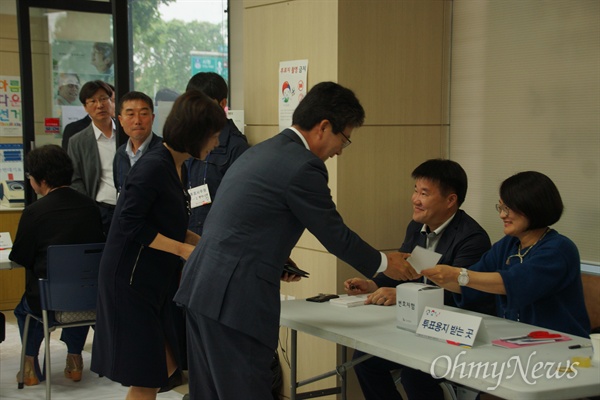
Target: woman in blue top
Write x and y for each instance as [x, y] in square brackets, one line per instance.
[533, 270]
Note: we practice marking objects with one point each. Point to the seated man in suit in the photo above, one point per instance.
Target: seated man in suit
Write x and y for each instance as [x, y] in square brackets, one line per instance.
[93, 149]
[440, 225]
[136, 115]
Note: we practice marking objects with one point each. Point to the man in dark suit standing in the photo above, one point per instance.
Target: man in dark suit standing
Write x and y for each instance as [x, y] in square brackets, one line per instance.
[269, 196]
[209, 173]
[136, 115]
[440, 225]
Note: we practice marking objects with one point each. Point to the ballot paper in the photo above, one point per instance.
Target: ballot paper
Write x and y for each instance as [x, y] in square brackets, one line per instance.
[350, 301]
[421, 258]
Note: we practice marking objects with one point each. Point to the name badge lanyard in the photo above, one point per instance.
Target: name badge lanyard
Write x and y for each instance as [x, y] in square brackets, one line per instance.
[200, 194]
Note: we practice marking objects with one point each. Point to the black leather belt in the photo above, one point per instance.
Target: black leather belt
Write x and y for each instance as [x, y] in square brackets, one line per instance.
[105, 205]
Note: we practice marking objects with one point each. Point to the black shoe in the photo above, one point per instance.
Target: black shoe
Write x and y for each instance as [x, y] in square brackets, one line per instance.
[174, 380]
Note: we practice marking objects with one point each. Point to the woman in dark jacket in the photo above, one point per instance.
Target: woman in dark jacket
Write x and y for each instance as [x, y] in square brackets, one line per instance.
[135, 343]
[61, 216]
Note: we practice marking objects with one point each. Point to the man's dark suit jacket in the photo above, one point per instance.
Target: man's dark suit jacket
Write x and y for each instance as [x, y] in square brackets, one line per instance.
[73, 128]
[269, 196]
[462, 244]
[122, 164]
[232, 143]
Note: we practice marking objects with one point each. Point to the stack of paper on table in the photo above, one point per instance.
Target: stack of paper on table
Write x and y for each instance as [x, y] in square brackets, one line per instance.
[522, 342]
[350, 301]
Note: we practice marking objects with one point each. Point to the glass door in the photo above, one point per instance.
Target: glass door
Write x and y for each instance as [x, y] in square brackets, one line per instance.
[69, 48]
[62, 45]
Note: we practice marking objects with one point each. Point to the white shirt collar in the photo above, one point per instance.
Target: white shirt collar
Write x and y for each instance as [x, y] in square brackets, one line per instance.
[98, 132]
[141, 149]
[301, 137]
[439, 230]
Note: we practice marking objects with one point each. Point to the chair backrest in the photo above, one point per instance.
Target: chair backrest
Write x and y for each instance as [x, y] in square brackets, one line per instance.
[72, 277]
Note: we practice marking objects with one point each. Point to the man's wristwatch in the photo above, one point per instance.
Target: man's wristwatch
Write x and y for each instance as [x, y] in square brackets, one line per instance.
[463, 277]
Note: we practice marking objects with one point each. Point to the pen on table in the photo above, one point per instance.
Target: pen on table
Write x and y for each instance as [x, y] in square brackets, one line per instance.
[580, 346]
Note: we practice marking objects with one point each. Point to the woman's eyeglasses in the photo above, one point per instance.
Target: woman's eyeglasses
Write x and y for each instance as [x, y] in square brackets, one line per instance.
[501, 208]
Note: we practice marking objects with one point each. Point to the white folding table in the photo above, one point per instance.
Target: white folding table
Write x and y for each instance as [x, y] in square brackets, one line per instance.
[529, 373]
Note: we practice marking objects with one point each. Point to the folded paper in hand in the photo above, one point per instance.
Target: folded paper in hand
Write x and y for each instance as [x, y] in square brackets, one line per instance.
[421, 258]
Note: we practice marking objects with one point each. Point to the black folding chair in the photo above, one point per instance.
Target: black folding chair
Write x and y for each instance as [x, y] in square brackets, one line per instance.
[68, 294]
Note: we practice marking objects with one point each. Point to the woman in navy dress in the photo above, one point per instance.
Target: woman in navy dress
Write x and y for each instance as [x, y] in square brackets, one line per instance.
[135, 339]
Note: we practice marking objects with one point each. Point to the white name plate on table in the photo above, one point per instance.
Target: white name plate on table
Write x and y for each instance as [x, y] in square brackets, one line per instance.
[449, 326]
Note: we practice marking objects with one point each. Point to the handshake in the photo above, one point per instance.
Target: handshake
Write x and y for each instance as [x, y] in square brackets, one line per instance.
[400, 269]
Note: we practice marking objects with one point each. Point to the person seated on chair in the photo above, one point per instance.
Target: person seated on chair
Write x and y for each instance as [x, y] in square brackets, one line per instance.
[437, 224]
[61, 216]
[534, 272]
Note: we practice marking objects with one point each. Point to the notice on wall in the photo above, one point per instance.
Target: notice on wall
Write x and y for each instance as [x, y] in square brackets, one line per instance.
[11, 162]
[292, 89]
[74, 63]
[11, 121]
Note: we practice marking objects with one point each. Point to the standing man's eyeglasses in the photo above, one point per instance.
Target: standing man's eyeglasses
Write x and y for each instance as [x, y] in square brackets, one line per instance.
[347, 142]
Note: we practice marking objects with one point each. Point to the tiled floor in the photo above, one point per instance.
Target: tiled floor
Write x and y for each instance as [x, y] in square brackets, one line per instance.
[91, 387]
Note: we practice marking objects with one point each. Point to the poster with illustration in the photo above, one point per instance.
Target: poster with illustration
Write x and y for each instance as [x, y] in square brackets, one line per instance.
[292, 89]
[74, 63]
[11, 120]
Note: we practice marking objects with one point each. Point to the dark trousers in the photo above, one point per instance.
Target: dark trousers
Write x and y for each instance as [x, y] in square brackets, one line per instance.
[74, 338]
[106, 212]
[225, 364]
[376, 381]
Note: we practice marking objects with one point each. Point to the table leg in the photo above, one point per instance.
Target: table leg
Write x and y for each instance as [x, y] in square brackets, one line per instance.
[344, 374]
[293, 362]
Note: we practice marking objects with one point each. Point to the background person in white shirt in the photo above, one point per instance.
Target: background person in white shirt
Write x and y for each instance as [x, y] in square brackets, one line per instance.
[93, 149]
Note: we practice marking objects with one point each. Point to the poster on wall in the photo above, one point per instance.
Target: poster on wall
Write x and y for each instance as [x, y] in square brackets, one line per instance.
[75, 62]
[292, 89]
[10, 106]
[11, 162]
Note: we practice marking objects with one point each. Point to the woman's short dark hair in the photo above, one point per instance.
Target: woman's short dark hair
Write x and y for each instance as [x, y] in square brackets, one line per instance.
[534, 195]
[50, 163]
[192, 120]
[448, 174]
[330, 101]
